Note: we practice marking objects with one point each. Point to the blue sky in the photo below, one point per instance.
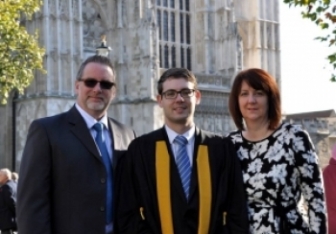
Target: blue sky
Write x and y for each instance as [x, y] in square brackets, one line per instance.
[305, 72]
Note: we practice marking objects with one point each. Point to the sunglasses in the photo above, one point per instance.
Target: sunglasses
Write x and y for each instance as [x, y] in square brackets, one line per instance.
[91, 83]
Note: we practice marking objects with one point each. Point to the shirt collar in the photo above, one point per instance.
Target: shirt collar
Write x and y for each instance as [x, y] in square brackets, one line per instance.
[89, 120]
[172, 134]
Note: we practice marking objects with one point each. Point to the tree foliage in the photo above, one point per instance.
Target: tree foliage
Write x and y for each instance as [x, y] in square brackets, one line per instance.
[20, 54]
[323, 14]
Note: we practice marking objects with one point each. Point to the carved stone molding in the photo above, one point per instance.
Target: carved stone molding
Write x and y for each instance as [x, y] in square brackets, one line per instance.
[94, 22]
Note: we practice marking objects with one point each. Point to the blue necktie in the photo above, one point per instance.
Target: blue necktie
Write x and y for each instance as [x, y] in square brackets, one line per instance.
[183, 163]
[100, 141]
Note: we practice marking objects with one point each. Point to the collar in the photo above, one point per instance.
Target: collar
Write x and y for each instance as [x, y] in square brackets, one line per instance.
[172, 134]
[89, 120]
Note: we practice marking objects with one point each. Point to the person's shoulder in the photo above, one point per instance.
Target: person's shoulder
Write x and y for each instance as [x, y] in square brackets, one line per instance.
[217, 136]
[9, 186]
[290, 127]
[207, 137]
[153, 135]
[297, 135]
[216, 139]
[12, 184]
[331, 167]
[147, 139]
[50, 120]
[293, 129]
[233, 133]
[120, 125]
[210, 134]
[234, 137]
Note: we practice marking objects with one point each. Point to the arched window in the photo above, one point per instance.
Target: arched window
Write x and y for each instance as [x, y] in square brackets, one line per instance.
[182, 27]
[189, 58]
[172, 4]
[174, 33]
[182, 57]
[165, 26]
[173, 56]
[161, 57]
[172, 26]
[188, 29]
[166, 57]
[159, 23]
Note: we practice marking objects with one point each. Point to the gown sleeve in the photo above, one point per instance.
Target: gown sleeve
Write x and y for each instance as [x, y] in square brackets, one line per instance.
[311, 184]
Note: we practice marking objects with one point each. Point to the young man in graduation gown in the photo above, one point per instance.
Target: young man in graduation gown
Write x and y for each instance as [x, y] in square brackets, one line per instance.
[180, 179]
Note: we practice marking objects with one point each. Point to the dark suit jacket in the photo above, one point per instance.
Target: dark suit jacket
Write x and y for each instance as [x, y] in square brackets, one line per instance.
[137, 188]
[7, 206]
[62, 176]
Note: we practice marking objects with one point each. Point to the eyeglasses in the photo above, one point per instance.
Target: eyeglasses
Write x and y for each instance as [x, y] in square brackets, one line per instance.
[91, 83]
[172, 94]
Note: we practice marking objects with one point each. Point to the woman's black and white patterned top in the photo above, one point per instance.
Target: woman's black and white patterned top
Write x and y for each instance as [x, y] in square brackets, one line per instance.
[281, 167]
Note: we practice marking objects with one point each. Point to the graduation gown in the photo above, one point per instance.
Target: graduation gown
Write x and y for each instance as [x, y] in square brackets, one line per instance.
[139, 183]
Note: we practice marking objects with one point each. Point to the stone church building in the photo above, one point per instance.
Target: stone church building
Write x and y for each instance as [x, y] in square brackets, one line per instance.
[321, 126]
[213, 38]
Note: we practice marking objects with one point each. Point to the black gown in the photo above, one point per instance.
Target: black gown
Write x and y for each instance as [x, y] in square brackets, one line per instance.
[138, 209]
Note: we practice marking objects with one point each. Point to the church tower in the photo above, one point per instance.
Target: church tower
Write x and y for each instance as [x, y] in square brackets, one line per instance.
[258, 26]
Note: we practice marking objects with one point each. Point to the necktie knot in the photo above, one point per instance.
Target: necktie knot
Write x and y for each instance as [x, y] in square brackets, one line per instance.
[181, 140]
[98, 127]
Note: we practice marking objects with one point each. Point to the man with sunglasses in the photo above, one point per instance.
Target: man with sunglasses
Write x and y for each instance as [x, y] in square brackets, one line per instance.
[180, 179]
[67, 174]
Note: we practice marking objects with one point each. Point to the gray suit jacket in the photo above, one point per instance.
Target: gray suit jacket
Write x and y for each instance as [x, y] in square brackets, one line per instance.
[62, 176]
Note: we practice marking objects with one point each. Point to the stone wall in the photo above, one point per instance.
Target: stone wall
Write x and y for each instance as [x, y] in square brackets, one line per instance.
[225, 38]
[322, 132]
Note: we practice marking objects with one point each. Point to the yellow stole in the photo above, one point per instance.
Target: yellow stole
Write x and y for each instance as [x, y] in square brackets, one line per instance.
[163, 188]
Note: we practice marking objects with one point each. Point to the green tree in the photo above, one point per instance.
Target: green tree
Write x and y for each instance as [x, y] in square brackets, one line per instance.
[20, 54]
[323, 14]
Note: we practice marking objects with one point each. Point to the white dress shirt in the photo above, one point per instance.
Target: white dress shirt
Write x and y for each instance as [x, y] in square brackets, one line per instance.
[90, 121]
[190, 135]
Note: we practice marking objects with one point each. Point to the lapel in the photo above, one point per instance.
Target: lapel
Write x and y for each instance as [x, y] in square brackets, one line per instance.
[79, 128]
[116, 142]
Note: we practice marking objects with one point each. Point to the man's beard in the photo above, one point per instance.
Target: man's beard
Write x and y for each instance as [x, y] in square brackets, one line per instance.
[96, 106]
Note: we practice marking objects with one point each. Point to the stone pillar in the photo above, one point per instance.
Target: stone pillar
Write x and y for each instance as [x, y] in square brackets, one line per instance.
[258, 25]
[60, 25]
